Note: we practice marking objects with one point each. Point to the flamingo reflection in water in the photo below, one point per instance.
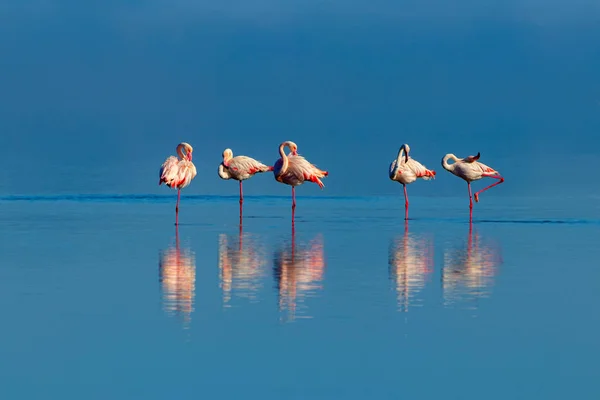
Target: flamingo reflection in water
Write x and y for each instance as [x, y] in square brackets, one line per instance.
[177, 275]
[298, 272]
[410, 266]
[468, 274]
[241, 266]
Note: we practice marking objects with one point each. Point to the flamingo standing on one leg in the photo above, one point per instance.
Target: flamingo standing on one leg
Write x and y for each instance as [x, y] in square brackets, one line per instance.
[240, 168]
[178, 173]
[293, 170]
[470, 170]
[406, 170]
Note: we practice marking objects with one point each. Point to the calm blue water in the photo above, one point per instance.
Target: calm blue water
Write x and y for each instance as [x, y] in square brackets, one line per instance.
[102, 298]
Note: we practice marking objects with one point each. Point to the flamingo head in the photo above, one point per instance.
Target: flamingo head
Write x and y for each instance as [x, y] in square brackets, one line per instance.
[471, 159]
[188, 151]
[293, 148]
[406, 151]
[227, 155]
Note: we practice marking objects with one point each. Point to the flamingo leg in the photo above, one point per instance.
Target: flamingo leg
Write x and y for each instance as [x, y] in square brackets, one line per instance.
[470, 196]
[500, 180]
[293, 203]
[177, 207]
[470, 203]
[241, 202]
[405, 203]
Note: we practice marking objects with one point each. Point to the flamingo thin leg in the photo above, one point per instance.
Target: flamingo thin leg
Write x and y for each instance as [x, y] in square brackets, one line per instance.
[405, 203]
[500, 180]
[177, 207]
[241, 202]
[470, 203]
[470, 196]
[293, 204]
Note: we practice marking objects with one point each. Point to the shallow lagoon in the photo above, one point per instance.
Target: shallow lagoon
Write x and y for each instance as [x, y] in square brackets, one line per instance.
[103, 298]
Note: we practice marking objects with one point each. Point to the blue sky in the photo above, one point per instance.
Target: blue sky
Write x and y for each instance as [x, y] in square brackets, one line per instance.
[95, 95]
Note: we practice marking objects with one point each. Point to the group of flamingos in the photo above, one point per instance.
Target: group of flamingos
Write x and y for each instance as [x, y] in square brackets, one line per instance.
[293, 169]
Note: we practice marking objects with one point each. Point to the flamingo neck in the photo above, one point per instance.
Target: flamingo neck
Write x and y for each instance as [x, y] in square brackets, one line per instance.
[446, 165]
[402, 152]
[183, 154]
[284, 158]
[223, 173]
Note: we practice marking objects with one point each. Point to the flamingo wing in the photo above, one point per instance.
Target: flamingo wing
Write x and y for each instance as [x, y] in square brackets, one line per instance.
[487, 170]
[186, 171]
[393, 170]
[419, 169]
[169, 171]
[247, 165]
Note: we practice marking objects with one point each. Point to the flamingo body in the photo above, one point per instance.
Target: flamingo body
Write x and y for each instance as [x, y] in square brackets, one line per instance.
[240, 168]
[178, 173]
[298, 171]
[407, 170]
[470, 169]
[294, 170]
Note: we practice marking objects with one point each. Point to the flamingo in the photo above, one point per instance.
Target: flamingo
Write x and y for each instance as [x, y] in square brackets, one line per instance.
[240, 168]
[470, 170]
[178, 173]
[293, 170]
[405, 170]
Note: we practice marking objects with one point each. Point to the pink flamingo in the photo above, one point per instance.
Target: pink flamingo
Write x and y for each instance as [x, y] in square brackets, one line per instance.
[240, 168]
[178, 173]
[406, 170]
[294, 169]
[470, 170]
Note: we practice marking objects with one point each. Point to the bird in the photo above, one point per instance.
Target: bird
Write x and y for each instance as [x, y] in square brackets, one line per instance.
[405, 170]
[470, 170]
[294, 170]
[178, 173]
[240, 168]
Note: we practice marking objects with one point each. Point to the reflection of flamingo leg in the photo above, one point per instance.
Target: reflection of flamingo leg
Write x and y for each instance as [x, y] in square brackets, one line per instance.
[293, 241]
[500, 180]
[470, 240]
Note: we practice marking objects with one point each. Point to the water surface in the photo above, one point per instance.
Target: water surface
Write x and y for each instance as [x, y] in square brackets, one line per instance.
[103, 298]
